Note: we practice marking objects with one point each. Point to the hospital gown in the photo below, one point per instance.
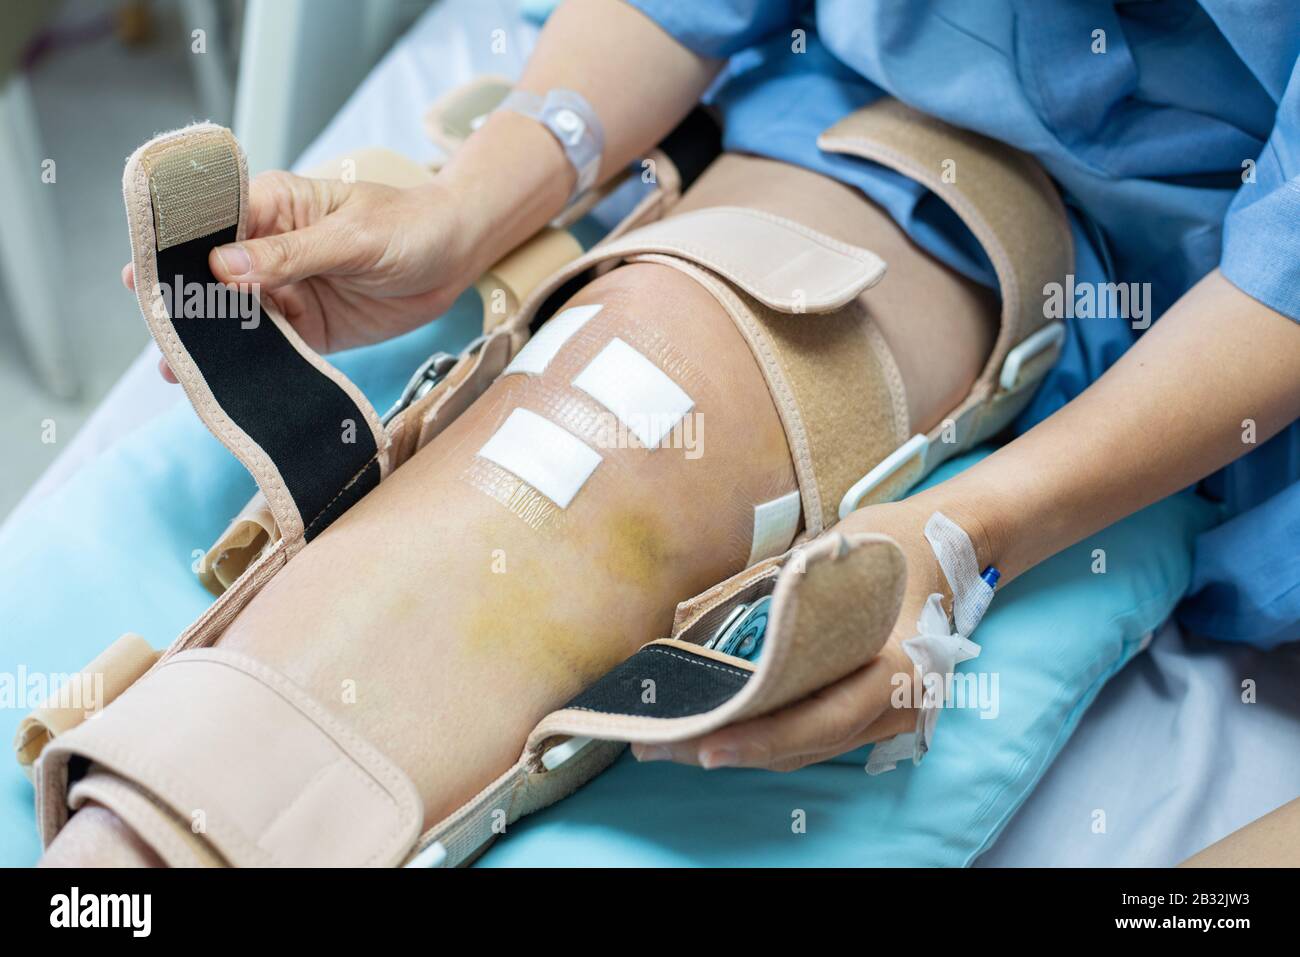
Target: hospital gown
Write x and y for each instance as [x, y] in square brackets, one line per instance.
[1173, 130]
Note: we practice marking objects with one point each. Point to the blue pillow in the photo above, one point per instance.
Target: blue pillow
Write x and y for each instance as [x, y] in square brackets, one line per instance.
[1051, 639]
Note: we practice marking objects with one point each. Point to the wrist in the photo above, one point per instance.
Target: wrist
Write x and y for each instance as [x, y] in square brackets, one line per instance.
[507, 181]
[979, 514]
[450, 234]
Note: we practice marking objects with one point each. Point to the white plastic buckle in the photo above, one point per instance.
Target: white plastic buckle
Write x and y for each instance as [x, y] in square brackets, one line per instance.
[1049, 337]
[916, 445]
[435, 855]
[557, 755]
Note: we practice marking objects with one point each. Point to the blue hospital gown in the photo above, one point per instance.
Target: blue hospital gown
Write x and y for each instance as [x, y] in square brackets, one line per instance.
[1173, 130]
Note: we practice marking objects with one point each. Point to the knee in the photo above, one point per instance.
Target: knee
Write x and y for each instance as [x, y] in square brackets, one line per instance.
[646, 377]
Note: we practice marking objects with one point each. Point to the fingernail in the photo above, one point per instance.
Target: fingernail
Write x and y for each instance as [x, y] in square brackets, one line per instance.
[234, 259]
[721, 758]
[653, 752]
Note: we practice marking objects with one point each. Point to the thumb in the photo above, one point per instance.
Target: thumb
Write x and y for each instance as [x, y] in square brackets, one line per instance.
[274, 261]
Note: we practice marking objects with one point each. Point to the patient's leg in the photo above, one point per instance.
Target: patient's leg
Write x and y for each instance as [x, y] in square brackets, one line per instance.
[457, 607]
[454, 607]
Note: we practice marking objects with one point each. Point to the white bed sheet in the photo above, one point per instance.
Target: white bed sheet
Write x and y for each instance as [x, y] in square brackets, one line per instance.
[1169, 753]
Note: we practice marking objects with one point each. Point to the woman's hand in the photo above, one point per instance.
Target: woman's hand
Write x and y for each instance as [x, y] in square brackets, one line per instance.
[348, 264]
[858, 709]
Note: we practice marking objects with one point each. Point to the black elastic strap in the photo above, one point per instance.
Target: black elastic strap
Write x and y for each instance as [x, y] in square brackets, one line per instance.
[683, 684]
[693, 144]
[313, 431]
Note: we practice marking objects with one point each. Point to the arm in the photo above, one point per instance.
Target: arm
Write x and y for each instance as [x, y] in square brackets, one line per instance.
[351, 264]
[1170, 412]
[639, 81]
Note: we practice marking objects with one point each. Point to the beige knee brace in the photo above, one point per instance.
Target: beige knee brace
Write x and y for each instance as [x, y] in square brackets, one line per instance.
[214, 758]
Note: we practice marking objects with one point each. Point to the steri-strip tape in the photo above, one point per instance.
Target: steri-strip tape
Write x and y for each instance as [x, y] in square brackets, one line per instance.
[640, 394]
[539, 452]
[537, 354]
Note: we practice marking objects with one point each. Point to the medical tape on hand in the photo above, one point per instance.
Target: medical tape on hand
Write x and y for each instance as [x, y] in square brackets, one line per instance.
[939, 646]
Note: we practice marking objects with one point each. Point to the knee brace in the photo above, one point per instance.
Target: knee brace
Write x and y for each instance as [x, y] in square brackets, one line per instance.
[801, 301]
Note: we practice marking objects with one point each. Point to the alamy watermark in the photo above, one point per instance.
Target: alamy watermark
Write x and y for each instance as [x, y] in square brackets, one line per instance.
[1130, 301]
[975, 690]
[685, 432]
[25, 690]
[209, 300]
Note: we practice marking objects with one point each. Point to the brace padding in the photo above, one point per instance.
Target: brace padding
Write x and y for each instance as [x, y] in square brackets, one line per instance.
[94, 687]
[265, 773]
[175, 841]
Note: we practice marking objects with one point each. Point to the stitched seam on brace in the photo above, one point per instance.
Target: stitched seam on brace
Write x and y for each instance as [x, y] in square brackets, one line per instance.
[248, 845]
[715, 665]
[894, 378]
[123, 759]
[173, 846]
[739, 674]
[351, 482]
[345, 740]
[467, 812]
[234, 595]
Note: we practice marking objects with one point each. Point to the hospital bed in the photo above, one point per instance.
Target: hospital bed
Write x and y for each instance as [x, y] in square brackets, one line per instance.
[1189, 742]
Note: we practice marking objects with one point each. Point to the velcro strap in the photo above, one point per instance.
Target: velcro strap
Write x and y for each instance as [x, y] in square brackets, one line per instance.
[175, 841]
[783, 264]
[1002, 195]
[685, 679]
[306, 433]
[263, 771]
[834, 603]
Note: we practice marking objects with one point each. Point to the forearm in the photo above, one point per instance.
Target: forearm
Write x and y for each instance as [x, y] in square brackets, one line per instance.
[1218, 372]
[640, 82]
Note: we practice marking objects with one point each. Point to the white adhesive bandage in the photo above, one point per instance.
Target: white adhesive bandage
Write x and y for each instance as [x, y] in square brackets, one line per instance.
[646, 401]
[541, 453]
[939, 647]
[775, 524]
[534, 357]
